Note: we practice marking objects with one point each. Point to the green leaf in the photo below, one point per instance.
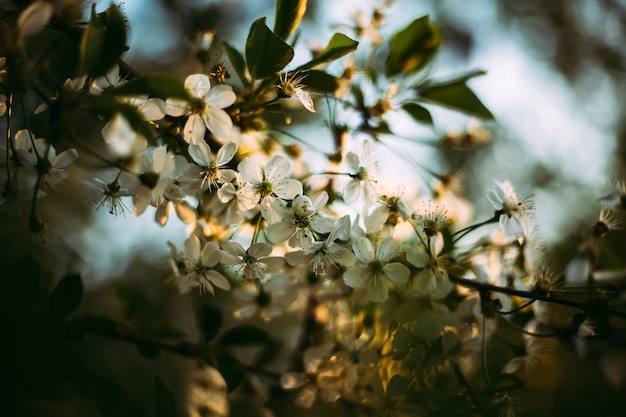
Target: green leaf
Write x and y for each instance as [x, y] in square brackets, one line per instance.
[418, 113]
[91, 43]
[289, 14]
[155, 85]
[107, 106]
[66, 296]
[413, 47]
[231, 369]
[319, 81]
[103, 42]
[266, 53]
[164, 401]
[210, 321]
[244, 335]
[456, 95]
[238, 62]
[338, 46]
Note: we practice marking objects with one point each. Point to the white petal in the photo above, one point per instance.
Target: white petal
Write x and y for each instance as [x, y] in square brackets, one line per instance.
[221, 96]
[65, 158]
[217, 121]
[363, 249]
[280, 231]
[352, 191]
[277, 168]
[176, 107]
[251, 171]
[201, 153]
[211, 254]
[288, 189]
[234, 248]
[225, 154]
[153, 109]
[218, 280]
[198, 85]
[397, 272]
[292, 380]
[192, 247]
[194, 129]
[388, 249]
[162, 213]
[377, 290]
[305, 99]
[260, 249]
[355, 277]
[417, 256]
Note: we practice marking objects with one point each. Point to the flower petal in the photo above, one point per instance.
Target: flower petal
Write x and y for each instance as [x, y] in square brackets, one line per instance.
[217, 121]
[288, 189]
[363, 249]
[221, 96]
[356, 277]
[397, 272]
[198, 85]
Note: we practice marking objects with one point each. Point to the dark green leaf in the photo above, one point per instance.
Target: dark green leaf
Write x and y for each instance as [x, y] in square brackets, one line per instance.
[66, 296]
[418, 113]
[266, 53]
[338, 46]
[289, 14]
[164, 401]
[155, 85]
[107, 106]
[456, 95]
[91, 43]
[231, 369]
[238, 62]
[319, 81]
[244, 335]
[210, 321]
[413, 47]
[103, 42]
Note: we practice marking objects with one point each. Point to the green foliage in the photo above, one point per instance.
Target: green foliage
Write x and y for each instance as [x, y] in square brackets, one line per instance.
[66, 296]
[238, 62]
[155, 85]
[103, 42]
[320, 81]
[413, 47]
[108, 106]
[210, 321]
[339, 45]
[164, 401]
[289, 14]
[456, 95]
[266, 53]
[230, 367]
[418, 113]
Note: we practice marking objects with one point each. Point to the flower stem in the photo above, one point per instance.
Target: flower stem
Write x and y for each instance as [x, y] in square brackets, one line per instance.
[461, 233]
[484, 348]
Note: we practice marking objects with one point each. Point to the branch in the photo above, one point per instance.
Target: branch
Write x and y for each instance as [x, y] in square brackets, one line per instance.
[482, 286]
